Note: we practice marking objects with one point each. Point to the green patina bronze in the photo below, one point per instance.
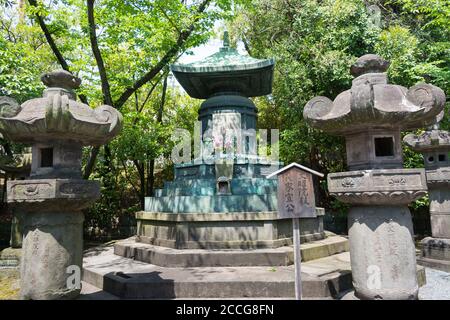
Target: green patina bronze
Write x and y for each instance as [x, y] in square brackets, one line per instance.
[226, 71]
[222, 200]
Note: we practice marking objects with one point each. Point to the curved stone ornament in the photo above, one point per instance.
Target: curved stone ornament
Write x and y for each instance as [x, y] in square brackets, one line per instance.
[8, 107]
[58, 114]
[373, 102]
[317, 107]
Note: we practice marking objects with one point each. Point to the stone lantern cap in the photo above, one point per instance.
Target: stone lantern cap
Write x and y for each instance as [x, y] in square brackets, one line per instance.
[57, 116]
[224, 72]
[373, 103]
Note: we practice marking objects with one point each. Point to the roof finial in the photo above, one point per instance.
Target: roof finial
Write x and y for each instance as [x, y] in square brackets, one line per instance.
[226, 39]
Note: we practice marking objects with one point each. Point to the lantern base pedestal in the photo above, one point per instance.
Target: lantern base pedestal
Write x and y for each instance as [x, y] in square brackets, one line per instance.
[382, 253]
[52, 252]
[435, 253]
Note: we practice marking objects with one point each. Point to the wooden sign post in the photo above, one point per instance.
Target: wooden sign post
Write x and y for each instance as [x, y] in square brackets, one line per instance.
[296, 200]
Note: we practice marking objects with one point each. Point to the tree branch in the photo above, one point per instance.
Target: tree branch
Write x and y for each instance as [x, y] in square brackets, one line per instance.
[159, 117]
[49, 38]
[129, 179]
[183, 36]
[107, 99]
[52, 44]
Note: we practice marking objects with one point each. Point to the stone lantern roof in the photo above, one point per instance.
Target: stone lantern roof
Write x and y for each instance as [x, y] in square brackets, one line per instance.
[226, 71]
[58, 116]
[373, 103]
[429, 141]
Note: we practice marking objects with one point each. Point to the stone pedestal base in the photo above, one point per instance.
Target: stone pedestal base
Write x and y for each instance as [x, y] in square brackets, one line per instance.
[234, 230]
[439, 194]
[382, 253]
[51, 255]
[435, 253]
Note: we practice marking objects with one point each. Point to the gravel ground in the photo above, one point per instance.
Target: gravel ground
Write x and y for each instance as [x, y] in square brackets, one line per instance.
[437, 287]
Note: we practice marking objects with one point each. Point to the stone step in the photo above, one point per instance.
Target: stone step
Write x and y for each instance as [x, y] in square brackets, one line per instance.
[323, 278]
[203, 191]
[443, 265]
[174, 258]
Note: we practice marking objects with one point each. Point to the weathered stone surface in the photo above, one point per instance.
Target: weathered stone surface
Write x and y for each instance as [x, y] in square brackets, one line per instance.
[56, 116]
[52, 242]
[16, 230]
[322, 278]
[371, 116]
[369, 63]
[51, 199]
[377, 187]
[372, 102]
[435, 253]
[325, 278]
[52, 194]
[174, 258]
[429, 141]
[381, 244]
[8, 107]
[434, 144]
[61, 79]
[438, 178]
[223, 230]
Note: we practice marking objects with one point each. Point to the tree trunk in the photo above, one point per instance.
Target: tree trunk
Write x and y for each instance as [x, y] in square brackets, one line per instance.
[151, 167]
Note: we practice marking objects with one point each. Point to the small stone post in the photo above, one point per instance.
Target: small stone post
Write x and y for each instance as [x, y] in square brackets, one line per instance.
[52, 198]
[371, 116]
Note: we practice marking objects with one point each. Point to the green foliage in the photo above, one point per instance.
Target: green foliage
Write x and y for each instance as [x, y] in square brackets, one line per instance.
[143, 138]
[133, 38]
[315, 42]
[23, 57]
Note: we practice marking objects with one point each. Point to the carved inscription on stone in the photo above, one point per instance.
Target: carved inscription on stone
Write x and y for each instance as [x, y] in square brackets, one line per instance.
[296, 195]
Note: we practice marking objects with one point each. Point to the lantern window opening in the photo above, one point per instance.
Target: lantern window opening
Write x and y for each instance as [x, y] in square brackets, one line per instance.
[46, 157]
[442, 157]
[384, 146]
[430, 159]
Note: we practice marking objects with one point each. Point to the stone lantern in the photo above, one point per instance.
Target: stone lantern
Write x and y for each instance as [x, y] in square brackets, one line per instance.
[371, 116]
[52, 198]
[434, 144]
